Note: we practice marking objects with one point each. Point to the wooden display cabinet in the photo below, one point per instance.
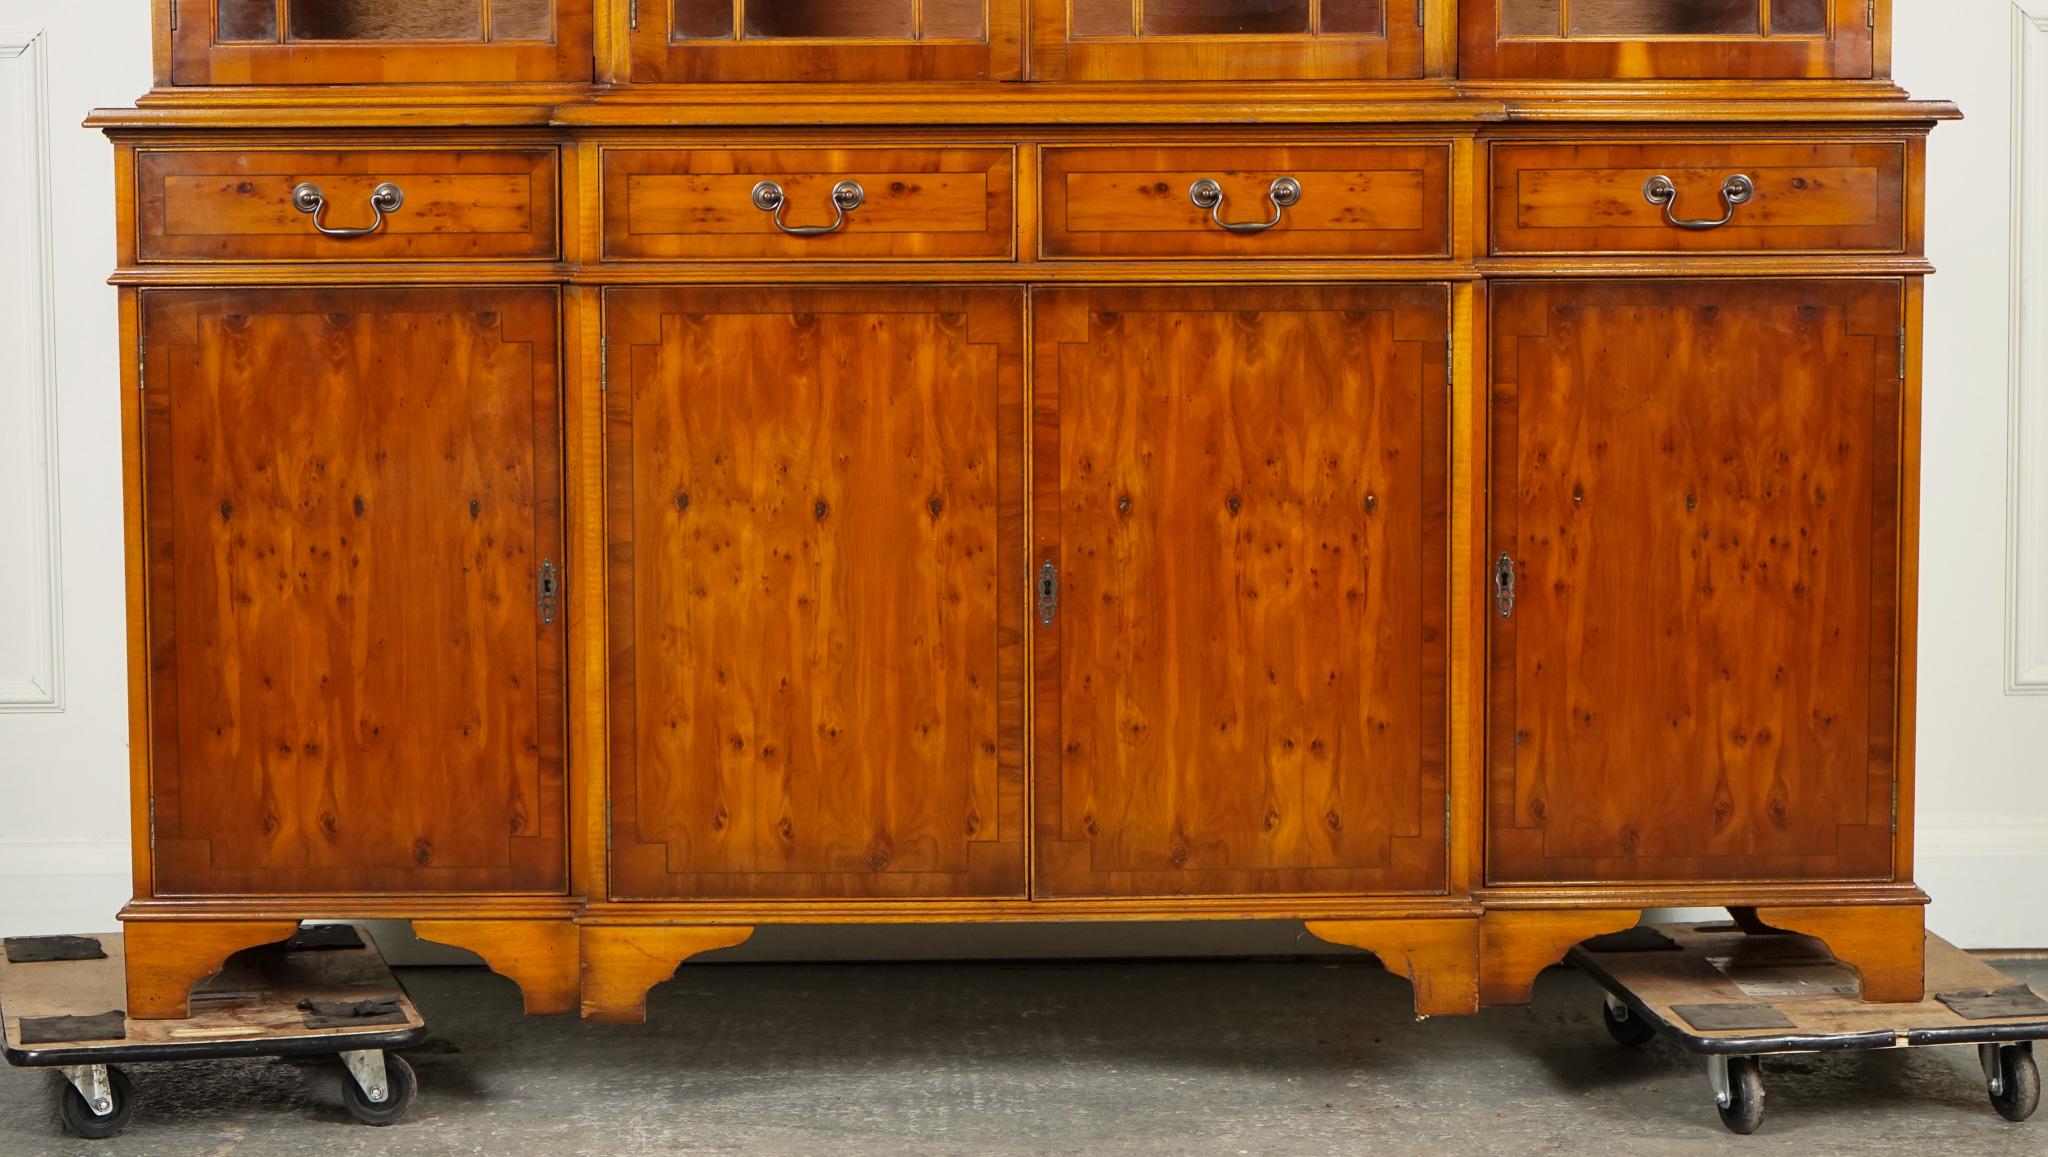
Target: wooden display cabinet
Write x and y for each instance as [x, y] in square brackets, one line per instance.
[658, 468]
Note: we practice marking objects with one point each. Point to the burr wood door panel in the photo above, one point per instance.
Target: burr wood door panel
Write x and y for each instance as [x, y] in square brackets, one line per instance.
[1240, 679]
[1697, 484]
[355, 684]
[816, 592]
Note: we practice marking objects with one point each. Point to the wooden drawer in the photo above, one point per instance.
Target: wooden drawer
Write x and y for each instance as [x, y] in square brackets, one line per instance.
[708, 204]
[1354, 200]
[240, 204]
[1595, 196]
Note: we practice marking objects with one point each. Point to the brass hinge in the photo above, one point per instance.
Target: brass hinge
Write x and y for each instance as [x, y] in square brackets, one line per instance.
[604, 365]
[607, 830]
[1870, 14]
[1895, 807]
[633, 15]
[1902, 353]
[174, 15]
[141, 350]
[1420, 7]
[152, 822]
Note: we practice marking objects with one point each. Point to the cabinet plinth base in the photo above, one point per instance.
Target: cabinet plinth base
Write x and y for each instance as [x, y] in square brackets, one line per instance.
[1885, 944]
[1439, 957]
[622, 962]
[165, 958]
[540, 956]
[1516, 945]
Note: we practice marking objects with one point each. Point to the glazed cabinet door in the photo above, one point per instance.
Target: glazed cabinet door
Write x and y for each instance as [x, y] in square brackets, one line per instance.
[816, 592]
[1696, 496]
[379, 41]
[352, 516]
[824, 40]
[1642, 39]
[1239, 629]
[1227, 39]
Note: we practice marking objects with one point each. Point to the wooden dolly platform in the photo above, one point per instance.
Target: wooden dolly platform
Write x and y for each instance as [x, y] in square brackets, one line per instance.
[326, 991]
[1733, 995]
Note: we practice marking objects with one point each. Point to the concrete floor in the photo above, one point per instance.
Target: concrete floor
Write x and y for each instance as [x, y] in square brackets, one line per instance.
[990, 1060]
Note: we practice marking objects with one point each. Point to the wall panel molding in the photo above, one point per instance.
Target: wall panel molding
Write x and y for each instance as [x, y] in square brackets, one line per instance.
[2027, 450]
[31, 564]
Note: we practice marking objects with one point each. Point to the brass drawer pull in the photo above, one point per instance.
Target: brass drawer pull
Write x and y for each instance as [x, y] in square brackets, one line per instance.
[385, 198]
[1207, 194]
[1736, 190]
[846, 197]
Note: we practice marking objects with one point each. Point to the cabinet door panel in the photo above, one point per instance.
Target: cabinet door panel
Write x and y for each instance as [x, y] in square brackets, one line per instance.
[1698, 485]
[1242, 492]
[687, 41]
[816, 592]
[1123, 40]
[350, 494]
[1601, 39]
[379, 41]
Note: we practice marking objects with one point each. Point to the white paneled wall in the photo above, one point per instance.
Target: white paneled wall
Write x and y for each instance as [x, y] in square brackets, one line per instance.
[63, 691]
[1983, 754]
[1983, 751]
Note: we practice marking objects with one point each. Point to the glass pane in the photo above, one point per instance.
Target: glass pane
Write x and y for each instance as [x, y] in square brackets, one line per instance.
[702, 20]
[1102, 17]
[952, 20]
[522, 20]
[1799, 17]
[386, 20]
[1225, 17]
[245, 20]
[1354, 17]
[847, 19]
[1531, 18]
[1667, 18]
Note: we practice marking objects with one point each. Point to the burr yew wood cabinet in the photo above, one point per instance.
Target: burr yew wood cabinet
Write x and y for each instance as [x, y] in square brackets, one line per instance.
[606, 475]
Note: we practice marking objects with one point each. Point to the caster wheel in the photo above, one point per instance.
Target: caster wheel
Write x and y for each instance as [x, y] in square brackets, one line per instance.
[401, 1086]
[81, 1121]
[2019, 1083]
[1626, 1027]
[1744, 1112]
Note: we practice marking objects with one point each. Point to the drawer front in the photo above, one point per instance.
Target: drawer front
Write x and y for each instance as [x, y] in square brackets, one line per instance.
[248, 205]
[1345, 200]
[827, 203]
[1721, 196]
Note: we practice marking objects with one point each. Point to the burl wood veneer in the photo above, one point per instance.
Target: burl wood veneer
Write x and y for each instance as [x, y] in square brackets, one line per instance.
[606, 476]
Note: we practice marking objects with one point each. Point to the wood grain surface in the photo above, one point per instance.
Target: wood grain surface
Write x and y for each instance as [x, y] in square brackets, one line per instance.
[1698, 484]
[816, 505]
[1243, 491]
[1363, 200]
[350, 495]
[236, 205]
[1584, 196]
[934, 202]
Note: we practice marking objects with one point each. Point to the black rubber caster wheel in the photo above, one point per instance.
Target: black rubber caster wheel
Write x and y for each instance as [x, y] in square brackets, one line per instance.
[401, 1087]
[1744, 1112]
[2019, 1083]
[1626, 1027]
[81, 1121]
